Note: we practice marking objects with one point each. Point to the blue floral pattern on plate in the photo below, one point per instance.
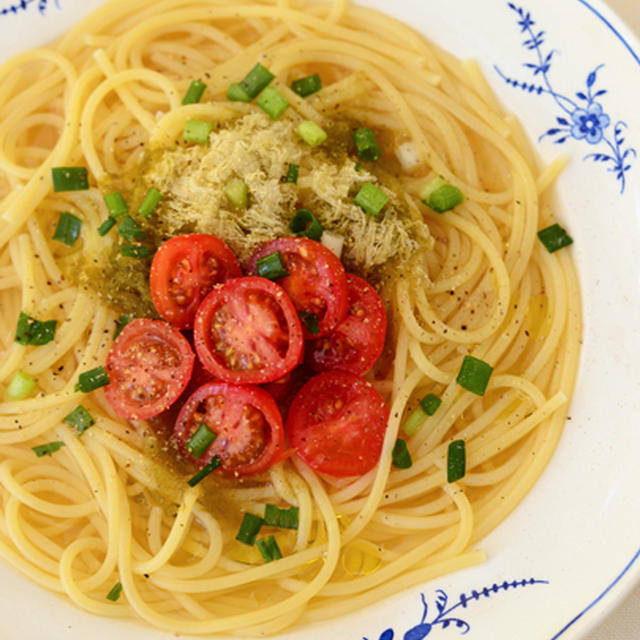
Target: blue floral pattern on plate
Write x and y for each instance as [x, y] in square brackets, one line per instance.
[443, 618]
[23, 5]
[583, 116]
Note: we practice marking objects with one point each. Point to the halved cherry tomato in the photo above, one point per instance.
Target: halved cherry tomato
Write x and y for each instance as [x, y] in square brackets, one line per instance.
[357, 342]
[247, 331]
[317, 281]
[246, 421]
[337, 424]
[149, 365]
[184, 270]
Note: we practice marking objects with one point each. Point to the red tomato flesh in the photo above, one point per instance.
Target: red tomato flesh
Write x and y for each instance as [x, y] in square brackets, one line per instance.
[337, 423]
[317, 281]
[357, 342]
[183, 272]
[247, 331]
[246, 421]
[149, 365]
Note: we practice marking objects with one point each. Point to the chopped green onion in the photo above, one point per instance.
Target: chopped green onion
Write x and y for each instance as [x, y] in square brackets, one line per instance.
[194, 92]
[150, 202]
[80, 419]
[305, 224]
[312, 133]
[237, 192]
[21, 386]
[307, 85]
[106, 226]
[47, 449]
[292, 173]
[249, 529]
[311, 322]
[430, 403]
[272, 102]
[134, 251]
[256, 80]
[237, 93]
[357, 166]
[68, 229]
[401, 456]
[272, 266]
[121, 323]
[440, 196]
[115, 204]
[91, 380]
[333, 241]
[371, 199]
[208, 468]
[115, 592]
[456, 461]
[200, 440]
[283, 518]
[474, 375]
[69, 179]
[554, 238]
[366, 146]
[130, 230]
[197, 131]
[269, 549]
[32, 332]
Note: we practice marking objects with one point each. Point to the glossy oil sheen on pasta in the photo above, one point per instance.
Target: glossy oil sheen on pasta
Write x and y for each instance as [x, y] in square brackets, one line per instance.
[103, 509]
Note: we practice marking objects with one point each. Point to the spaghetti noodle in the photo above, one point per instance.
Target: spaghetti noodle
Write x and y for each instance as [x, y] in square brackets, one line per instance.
[102, 509]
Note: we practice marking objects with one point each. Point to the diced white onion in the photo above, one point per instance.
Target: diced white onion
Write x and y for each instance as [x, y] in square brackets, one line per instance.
[408, 156]
[333, 241]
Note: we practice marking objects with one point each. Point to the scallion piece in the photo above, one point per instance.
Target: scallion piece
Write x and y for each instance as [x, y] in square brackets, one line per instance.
[256, 80]
[80, 419]
[456, 461]
[92, 380]
[430, 403]
[440, 195]
[115, 592]
[306, 86]
[269, 549]
[208, 468]
[115, 204]
[272, 266]
[21, 386]
[366, 146]
[47, 449]
[32, 332]
[121, 323]
[237, 192]
[474, 375]
[134, 251]
[200, 440]
[554, 238]
[197, 131]
[312, 133]
[292, 173]
[310, 321]
[305, 224]
[283, 518]
[150, 202]
[106, 226]
[194, 92]
[68, 229]
[271, 515]
[69, 179]
[272, 102]
[401, 456]
[130, 230]
[237, 93]
[371, 199]
[249, 529]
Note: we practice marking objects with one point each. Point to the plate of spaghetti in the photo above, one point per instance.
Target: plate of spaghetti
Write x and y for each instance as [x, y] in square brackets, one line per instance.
[317, 319]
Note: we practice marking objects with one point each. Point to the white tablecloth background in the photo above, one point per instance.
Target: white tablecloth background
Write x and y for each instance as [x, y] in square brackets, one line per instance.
[623, 623]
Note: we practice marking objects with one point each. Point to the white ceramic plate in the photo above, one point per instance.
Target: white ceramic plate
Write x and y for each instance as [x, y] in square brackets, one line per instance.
[570, 70]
